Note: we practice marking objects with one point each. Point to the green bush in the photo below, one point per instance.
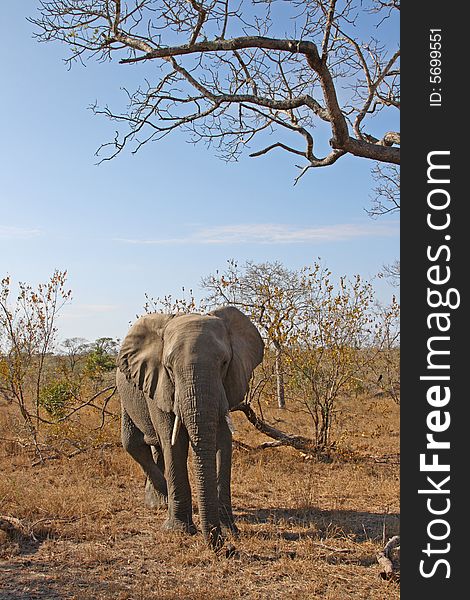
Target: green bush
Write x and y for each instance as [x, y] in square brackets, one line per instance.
[56, 396]
[101, 359]
[99, 362]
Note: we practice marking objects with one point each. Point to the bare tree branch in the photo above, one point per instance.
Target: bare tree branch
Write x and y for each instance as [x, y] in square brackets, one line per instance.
[386, 198]
[229, 91]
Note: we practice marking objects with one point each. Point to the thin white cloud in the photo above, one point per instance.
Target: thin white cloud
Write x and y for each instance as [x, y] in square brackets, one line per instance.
[271, 233]
[18, 233]
[79, 311]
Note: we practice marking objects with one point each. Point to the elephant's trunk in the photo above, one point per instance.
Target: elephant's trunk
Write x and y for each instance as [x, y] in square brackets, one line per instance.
[206, 486]
[199, 406]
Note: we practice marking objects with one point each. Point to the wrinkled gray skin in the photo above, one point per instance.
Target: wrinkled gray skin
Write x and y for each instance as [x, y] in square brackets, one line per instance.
[197, 367]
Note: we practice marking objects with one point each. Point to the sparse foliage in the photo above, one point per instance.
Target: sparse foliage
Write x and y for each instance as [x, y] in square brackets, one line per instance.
[49, 388]
[326, 355]
[169, 305]
[233, 74]
[28, 331]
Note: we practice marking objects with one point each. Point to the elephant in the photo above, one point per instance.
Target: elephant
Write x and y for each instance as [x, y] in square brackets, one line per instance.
[178, 377]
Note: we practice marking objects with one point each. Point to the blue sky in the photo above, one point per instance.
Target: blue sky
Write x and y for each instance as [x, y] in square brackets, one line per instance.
[159, 220]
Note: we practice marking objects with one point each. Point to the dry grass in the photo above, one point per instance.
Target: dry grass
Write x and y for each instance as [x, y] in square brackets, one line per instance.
[308, 529]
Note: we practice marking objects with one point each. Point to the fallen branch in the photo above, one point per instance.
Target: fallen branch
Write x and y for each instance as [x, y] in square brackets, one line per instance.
[12, 525]
[284, 439]
[274, 444]
[386, 459]
[241, 446]
[331, 548]
[384, 559]
[8, 522]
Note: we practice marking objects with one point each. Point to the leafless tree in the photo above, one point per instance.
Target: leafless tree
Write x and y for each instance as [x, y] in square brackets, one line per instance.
[74, 350]
[392, 273]
[386, 192]
[235, 73]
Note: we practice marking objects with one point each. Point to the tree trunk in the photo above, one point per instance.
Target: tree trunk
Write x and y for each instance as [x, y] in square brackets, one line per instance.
[281, 400]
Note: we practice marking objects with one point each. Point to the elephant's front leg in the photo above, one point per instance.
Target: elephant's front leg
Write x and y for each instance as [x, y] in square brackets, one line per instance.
[224, 474]
[176, 474]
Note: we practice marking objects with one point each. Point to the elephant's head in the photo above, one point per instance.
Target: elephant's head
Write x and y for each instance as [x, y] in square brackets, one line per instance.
[198, 367]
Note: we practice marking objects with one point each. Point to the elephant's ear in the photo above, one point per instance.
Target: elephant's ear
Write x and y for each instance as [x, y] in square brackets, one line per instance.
[140, 359]
[247, 352]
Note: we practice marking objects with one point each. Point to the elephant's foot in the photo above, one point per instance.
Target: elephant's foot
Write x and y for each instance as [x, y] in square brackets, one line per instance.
[172, 524]
[154, 499]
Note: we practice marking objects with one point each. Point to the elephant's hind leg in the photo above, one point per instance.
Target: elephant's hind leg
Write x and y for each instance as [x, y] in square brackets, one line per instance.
[152, 498]
[134, 443]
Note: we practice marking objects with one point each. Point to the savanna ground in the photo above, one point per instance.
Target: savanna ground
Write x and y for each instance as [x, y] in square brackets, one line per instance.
[77, 527]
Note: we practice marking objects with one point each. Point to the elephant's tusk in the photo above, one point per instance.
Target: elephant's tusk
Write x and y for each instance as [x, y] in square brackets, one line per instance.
[230, 424]
[176, 428]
